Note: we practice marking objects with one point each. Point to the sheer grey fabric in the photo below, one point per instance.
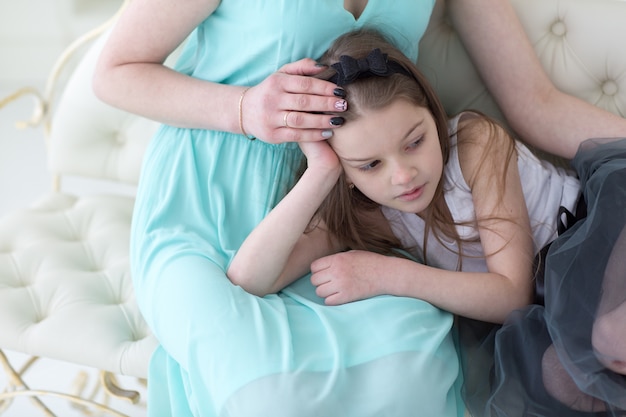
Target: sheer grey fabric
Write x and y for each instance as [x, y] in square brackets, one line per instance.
[566, 357]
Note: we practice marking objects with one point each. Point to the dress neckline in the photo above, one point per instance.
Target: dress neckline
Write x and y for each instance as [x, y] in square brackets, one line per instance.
[354, 17]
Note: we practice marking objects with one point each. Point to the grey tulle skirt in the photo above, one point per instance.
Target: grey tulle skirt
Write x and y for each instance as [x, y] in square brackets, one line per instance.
[544, 360]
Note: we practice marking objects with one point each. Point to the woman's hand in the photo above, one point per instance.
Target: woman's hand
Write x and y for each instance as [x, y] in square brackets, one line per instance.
[287, 106]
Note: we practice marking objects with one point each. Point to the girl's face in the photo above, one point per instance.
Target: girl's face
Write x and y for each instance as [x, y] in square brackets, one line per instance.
[393, 155]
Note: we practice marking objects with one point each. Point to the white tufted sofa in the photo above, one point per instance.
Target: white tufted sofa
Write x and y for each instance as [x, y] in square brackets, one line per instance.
[65, 289]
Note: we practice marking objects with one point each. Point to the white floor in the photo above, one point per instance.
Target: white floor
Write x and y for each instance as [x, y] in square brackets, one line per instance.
[24, 176]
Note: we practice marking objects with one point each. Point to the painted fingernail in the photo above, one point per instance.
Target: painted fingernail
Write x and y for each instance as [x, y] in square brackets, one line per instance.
[341, 105]
[337, 121]
[327, 134]
[339, 92]
[320, 65]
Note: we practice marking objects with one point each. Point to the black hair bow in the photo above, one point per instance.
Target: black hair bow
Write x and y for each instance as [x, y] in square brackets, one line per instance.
[350, 69]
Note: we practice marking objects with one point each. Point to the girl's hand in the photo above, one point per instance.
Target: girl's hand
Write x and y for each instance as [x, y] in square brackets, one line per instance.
[284, 107]
[349, 276]
[321, 157]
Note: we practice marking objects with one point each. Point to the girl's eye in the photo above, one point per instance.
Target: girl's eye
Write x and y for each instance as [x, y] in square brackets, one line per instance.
[415, 144]
[369, 166]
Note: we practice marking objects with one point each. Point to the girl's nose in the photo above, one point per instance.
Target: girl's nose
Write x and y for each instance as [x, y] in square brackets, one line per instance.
[403, 174]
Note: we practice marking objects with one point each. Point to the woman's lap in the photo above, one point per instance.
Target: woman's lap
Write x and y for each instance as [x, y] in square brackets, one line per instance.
[222, 347]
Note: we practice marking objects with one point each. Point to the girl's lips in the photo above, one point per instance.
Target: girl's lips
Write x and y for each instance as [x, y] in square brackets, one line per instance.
[412, 194]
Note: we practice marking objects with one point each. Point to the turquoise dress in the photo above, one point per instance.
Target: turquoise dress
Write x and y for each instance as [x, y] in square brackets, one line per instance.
[224, 352]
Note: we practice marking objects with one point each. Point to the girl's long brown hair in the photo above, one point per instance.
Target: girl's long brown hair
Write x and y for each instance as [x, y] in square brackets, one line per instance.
[349, 214]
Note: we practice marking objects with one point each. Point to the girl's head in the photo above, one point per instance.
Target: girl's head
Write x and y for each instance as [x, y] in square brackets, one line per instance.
[393, 145]
[377, 77]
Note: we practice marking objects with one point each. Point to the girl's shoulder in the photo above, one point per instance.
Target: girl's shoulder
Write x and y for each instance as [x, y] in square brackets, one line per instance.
[484, 147]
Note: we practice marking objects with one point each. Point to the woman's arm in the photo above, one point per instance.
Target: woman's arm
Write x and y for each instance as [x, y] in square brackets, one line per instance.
[505, 236]
[542, 115]
[130, 75]
[278, 251]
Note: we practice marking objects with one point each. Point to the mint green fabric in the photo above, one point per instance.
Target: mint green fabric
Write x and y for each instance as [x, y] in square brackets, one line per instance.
[223, 351]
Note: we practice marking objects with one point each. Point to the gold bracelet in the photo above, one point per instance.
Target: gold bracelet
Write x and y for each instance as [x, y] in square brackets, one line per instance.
[243, 131]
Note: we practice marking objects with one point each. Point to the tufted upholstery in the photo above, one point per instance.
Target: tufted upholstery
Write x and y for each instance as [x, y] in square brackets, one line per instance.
[104, 143]
[65, 290]
[577, 41]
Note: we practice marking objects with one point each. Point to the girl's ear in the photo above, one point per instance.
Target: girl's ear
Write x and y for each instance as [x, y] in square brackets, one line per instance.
[348, 181]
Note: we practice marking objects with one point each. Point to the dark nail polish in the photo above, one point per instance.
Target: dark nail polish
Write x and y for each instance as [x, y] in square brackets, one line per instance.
[337, 121]
[339, 92]
[320, 65]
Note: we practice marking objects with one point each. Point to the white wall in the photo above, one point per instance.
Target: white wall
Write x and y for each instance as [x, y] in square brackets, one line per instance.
[34, 32]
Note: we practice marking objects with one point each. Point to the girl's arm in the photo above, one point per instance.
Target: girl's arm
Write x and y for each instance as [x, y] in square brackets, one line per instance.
[130, 75]
[356, 275]
[506, 241]
[278, 251]
[542, 115]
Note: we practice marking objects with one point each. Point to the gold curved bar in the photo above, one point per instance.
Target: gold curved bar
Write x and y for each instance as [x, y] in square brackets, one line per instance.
[38, 112]
[80, 383]
[17, 382]
[111, 386]
[108, 386]
[68, 397]
[41, 113]
[61, 62]
[52, 82]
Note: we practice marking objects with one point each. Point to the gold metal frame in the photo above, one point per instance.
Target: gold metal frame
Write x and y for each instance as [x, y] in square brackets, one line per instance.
[106, 387]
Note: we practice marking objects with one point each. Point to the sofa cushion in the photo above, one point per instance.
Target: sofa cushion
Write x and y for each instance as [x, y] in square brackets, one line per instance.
[65, 289]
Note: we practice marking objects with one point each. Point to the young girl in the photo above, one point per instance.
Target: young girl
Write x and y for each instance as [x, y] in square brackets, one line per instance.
[476, 207]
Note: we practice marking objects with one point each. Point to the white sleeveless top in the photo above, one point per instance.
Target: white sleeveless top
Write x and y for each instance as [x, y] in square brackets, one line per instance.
[545, 187]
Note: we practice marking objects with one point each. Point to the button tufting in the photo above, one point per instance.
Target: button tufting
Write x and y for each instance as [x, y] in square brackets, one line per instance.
[558, 28]
[609, 88]
[120, 139]
[39, 317]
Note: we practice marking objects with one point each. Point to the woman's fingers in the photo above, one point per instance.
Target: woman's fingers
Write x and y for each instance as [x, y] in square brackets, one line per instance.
[293, 106]
[308, 104]
[305, 66]
[309, 94]
[305, 120]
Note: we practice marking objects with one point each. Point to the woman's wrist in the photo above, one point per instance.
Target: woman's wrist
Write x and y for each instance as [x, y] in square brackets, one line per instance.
[242, 129]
